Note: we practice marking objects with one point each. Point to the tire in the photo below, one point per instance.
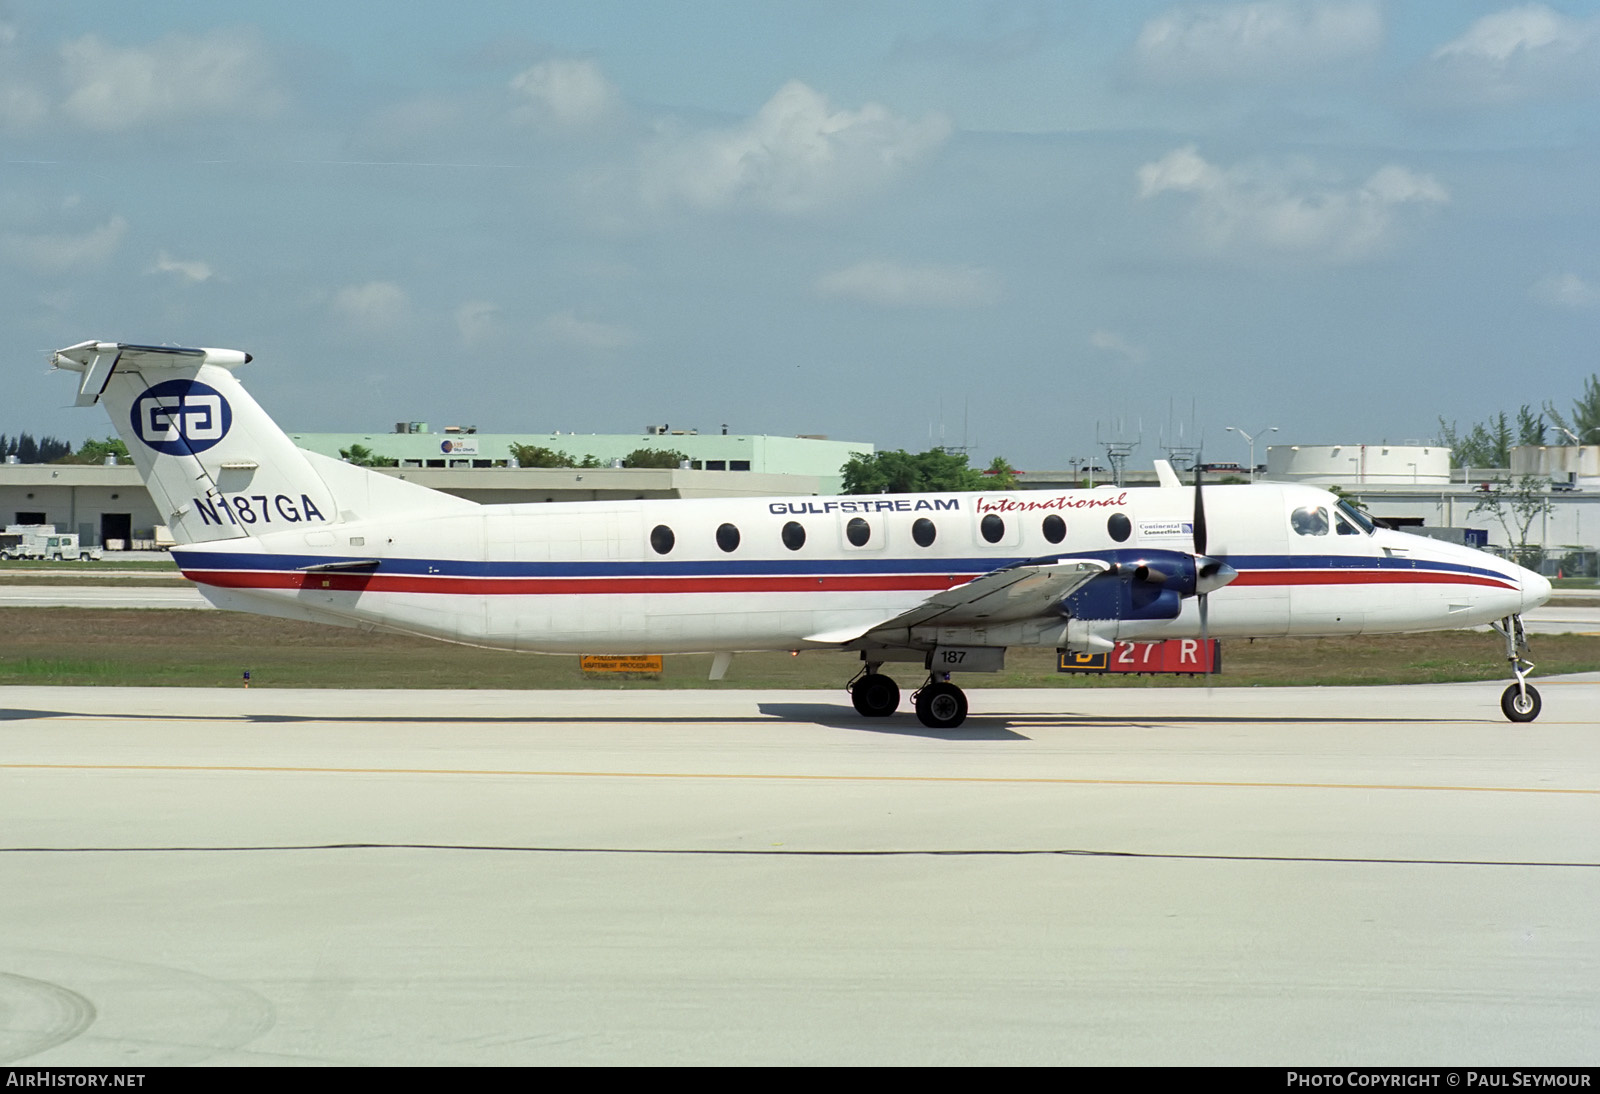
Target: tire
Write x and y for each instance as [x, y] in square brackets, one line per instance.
[83, 556]
[1519, 707]
[875, 696]
[941, 706]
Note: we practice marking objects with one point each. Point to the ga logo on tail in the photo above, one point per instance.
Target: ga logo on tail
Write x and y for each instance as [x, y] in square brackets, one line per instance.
[180, 417]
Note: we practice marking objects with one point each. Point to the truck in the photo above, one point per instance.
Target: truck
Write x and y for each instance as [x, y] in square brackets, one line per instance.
[44, 542]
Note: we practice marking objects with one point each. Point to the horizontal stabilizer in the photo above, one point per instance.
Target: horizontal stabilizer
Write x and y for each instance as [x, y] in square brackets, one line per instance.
[98, 360]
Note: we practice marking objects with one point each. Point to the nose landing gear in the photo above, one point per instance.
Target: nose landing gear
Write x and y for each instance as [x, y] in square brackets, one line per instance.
[1520, 702]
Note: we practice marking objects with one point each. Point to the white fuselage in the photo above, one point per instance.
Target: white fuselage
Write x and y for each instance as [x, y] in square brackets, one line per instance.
[585, 577]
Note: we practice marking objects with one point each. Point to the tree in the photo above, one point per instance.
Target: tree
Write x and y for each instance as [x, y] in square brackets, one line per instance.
[1477, 448]
[653, 457]
[94, 451]
[28, 450]
[533, 455]
[900, 472]
[1516, 504]
[1530, 427]
[1000, 475]
[1585, 421]
[362, 456]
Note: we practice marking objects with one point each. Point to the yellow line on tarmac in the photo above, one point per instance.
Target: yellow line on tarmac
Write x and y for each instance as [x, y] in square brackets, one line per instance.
[978, 779]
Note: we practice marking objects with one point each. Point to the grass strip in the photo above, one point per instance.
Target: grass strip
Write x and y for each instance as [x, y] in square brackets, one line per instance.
[77, 646]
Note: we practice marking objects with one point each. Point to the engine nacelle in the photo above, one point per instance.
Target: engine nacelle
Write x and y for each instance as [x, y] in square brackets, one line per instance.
[1144, 585]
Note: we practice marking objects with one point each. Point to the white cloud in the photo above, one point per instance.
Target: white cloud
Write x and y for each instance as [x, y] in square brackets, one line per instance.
[21, 106]
[477, 321]
[565, 93]
[1566, 291]
[898, 285]
[796, 155]
[1258, 211]
[1515, 54]
[1114, 343]
[1267, 40]
[192, 270]
[222, 73]
[374, 307]
[59, 252]
[568, 328]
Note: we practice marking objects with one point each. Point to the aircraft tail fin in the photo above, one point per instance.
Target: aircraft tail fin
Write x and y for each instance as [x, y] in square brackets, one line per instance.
[217, 467]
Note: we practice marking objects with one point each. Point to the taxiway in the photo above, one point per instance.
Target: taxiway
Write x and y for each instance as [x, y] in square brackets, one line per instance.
[1259, 876]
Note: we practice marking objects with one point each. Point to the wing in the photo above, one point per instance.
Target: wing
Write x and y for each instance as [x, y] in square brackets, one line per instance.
[1016, 592]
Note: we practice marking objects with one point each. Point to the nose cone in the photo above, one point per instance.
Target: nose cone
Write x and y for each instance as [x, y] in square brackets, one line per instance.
[1535, 589]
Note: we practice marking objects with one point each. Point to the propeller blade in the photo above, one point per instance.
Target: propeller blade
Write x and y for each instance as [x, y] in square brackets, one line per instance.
[1199, 514]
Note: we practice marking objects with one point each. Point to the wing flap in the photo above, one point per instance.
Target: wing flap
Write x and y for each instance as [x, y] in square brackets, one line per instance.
[1000, 596]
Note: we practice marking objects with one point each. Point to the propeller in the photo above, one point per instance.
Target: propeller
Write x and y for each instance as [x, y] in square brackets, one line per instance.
[1211, 574]
[1201, 563]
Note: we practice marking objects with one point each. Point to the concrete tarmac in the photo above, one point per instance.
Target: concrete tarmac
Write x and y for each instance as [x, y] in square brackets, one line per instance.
[1259, 876]
[109, 596]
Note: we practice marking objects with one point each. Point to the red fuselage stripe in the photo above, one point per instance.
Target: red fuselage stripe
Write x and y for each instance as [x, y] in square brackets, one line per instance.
[563, 586]
[1366, 577]
[559, 586]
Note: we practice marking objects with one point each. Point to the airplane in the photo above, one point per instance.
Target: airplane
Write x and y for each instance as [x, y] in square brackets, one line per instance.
[949, 581]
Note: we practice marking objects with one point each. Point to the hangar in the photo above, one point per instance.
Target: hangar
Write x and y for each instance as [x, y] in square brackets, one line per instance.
[1411, 485]
[107, 504]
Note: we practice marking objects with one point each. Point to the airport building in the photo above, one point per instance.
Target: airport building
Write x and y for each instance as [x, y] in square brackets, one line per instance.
[1409, 486]
[1348, 465]
[107, 505]
[462, 447]
[1414, 488]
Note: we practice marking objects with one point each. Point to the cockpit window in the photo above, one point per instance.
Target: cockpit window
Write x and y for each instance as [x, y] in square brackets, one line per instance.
[1361, 519]
[1310, 520]
[1342, 526]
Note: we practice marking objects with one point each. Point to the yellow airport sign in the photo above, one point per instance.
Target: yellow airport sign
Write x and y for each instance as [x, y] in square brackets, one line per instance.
[621, 663]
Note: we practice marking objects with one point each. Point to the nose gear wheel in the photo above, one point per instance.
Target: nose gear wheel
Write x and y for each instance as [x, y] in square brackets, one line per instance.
[1520, 702]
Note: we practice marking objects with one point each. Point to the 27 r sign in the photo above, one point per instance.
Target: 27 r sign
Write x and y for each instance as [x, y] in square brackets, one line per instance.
[1175, 655]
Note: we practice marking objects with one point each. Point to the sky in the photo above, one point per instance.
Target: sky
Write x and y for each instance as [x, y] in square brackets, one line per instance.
[1025, 228]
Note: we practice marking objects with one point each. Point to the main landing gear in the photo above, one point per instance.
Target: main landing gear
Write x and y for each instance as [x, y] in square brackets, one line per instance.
[874, 694]
[1520, 702]
[939, 703]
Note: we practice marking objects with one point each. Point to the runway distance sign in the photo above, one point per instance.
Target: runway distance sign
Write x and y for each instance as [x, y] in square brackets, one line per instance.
[616, 663]
[1175, 655]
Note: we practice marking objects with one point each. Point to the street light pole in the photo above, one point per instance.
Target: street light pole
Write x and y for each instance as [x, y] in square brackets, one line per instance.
[1252, 442]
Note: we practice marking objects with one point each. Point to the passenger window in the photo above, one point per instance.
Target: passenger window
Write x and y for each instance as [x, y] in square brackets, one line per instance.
[858, 532]
[728, 537]
[1054, 528]
[993, 528]
[794, 535]
[662, 539]
[923, 532]
[1310, 520]
[1119, 527]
